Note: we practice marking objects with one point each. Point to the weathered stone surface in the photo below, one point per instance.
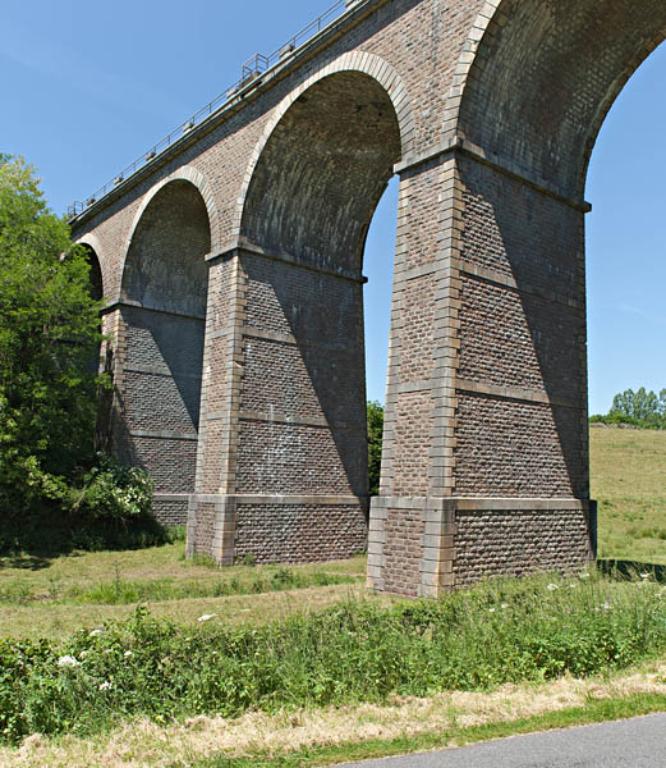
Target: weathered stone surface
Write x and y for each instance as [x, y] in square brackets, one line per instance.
[232, 266]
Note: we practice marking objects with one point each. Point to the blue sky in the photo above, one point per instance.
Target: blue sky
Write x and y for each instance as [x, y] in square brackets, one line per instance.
[89, 86]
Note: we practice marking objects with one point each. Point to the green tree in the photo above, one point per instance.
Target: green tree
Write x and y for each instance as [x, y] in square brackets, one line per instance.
[49, 330]
[662, 403]
[641, 406]
[375, 430]
[623, 404]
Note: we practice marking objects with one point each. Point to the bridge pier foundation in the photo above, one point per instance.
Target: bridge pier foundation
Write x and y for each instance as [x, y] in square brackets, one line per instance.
[422, 547]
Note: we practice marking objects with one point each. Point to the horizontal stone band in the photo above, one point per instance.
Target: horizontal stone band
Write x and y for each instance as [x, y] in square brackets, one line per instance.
[164, 435]
[325, 501]
[514, 393]
[481, 504]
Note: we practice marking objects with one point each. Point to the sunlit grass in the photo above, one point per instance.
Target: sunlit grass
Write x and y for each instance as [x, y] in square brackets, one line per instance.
[628, 471]
[53, 597]
[59, 596]
[345, 734]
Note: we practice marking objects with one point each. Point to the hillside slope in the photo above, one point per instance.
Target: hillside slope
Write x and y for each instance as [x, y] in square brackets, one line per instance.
[628, 469]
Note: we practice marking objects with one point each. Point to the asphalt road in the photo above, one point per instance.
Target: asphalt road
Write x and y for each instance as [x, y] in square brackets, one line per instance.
[638, 743]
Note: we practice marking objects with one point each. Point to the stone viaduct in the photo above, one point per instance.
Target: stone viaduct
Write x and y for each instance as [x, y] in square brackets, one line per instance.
[231, 266]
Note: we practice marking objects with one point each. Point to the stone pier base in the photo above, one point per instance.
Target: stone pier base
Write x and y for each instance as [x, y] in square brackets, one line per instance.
[277, 529]
[423, 546]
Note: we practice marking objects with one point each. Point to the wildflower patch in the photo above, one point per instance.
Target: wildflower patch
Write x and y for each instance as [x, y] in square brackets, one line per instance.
[507, 631]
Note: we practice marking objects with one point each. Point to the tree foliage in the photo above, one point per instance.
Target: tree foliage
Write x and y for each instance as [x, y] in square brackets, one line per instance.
[641, 408]
[49, 332]
[642, 405]
[375, 430]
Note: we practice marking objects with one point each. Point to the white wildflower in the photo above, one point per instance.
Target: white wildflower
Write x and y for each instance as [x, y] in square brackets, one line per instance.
[584, 575]
[96, 632]
[645, 576]
[206, 617]
[128, 654]
[552, 587]
[606, 606]
[68, 661]
[106, 686]
[83, 654]
[504, 606]
[491, 610]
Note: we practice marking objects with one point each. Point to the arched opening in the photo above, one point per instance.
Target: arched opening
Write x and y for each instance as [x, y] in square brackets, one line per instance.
[163, 310]
[543, 79]
[626, 269]
[378, 268]
[96, 364]
[96, 288]
[303, 437]
[96, 282]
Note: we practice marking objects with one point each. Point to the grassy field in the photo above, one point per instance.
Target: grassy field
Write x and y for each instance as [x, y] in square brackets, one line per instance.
[315, 706]
[52, 598]
[628, 470]
[509, 631]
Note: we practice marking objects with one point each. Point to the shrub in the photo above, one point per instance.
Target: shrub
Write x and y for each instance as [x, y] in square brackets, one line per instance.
[505, 631]
[50, 476]
[375, 417]
[111, 490]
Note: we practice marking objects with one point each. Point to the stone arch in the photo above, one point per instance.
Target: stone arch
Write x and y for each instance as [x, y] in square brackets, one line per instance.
[164, 266]
[159, 370]
[533, 85]
[310, 190]
[464, 65]
[101, 358]
[96, 260]
[373, 67]
[543, 77]
[197, 179]
[92, 249]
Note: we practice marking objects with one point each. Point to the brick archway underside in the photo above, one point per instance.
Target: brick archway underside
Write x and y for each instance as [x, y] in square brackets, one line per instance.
[302, 442]
[322, 172]
[545, 76]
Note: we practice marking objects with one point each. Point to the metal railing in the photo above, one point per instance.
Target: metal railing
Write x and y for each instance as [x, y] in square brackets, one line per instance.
[251, 72]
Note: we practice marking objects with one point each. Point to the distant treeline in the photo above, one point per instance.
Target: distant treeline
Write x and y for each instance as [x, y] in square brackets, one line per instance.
[644, 409]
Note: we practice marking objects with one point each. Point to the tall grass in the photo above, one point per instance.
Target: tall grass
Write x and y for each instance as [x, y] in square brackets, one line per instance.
[504, 631]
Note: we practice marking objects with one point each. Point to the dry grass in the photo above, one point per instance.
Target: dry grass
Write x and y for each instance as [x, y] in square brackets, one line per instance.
[48, 612]
[59, 621]
[143, 744]
[82, 569]
[628, 469]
